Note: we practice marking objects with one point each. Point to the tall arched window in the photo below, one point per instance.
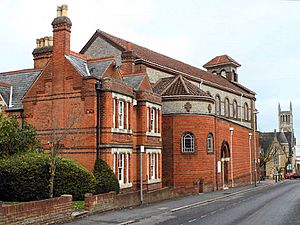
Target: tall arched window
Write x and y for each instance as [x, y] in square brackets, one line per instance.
[210, 143]
[246, 111]
[226, 107]
[218, 105]
[188, 141]
[235, 109]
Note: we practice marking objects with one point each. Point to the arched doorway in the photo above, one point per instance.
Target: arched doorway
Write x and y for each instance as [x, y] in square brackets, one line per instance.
[225, 157]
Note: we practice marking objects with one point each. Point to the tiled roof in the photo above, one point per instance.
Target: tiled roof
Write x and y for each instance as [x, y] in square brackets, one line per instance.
[134, 81]
[5, 91]
[267, 138]
[221, 60]
[86, 68]
[157, 58]
[172, 86]
[21, 82]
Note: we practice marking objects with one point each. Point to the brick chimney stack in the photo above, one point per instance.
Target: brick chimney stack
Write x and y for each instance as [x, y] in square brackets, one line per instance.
[43, 51]
[128, 59]
[61, 33]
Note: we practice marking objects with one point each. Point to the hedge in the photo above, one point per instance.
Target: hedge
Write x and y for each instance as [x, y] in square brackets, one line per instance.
[25, 177]
[106, 180]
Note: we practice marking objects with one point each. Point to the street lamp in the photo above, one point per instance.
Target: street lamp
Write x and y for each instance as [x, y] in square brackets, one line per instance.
[231, 161]
[255, 112]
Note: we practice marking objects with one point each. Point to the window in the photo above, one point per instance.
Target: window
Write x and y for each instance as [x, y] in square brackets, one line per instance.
[235, 109]
[246, 112]
[152, 164]
[121, 114]
[121, 168]
[223, 73]
[218, 105]
[188, 142]
[152, 120]
[210, 143]
[226, 107]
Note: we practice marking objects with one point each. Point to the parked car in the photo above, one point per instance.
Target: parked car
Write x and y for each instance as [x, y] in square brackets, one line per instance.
[292, 176]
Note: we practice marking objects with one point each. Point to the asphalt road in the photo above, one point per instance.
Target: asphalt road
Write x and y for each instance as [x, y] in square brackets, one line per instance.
[267, 205]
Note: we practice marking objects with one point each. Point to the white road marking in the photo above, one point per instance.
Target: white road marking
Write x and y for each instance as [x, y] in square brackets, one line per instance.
[190, 221]
[213, 212]
[127, 222]
[204, 216]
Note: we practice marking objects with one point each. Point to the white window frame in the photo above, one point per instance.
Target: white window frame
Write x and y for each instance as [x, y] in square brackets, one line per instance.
[121, 161]
[188, 136]
[210, 143]
[114, 112]
[153, 165]
[121, 114]
[152, 120]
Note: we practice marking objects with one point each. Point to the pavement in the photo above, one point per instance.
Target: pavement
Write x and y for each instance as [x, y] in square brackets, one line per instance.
[171, 205]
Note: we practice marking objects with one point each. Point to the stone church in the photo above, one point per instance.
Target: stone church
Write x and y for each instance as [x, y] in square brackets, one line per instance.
[278, 147]
[146, 114]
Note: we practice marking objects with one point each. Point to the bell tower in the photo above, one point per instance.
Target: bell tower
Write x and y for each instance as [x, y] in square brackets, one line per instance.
[285, 119]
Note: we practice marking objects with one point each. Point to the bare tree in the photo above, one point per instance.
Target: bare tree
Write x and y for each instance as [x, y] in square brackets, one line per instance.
[56, 142]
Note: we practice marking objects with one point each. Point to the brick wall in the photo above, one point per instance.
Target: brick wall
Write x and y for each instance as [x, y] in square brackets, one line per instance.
[184, 169]
[110, 201]
[49, 211]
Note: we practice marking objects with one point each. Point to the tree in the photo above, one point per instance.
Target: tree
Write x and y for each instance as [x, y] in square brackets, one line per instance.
[106, 180]
[56, 139]
[15, 138]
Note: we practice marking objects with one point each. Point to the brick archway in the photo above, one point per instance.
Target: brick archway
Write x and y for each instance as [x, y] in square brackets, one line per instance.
[225, 157]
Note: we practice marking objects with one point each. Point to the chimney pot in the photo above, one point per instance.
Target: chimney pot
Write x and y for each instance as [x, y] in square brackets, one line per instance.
[58, 11]
[64, 10]
[46, 39]
[37, 43]
[42, 44]
[50, 41]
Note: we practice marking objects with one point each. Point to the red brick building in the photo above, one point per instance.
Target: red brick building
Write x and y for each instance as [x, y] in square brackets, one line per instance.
[115, 99]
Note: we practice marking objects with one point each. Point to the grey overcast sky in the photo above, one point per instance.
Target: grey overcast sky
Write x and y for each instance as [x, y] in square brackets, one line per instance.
[262, 35]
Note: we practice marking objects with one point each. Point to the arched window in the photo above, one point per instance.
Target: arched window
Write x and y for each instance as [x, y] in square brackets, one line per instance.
[223, 73]
[235, 109]
[218, 105]
[226, 108]
[210, 143]
[188, 141]
[246, 112]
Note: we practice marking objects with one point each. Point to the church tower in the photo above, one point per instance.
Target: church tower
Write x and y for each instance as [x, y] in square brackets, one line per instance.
[285, 119]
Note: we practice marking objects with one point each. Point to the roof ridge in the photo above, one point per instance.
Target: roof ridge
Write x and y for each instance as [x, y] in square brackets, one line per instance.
[171, 83]
[184, 85]
[19, 71]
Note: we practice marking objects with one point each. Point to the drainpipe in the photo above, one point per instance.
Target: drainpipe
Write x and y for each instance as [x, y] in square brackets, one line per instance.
[231, 160]
[98, 87]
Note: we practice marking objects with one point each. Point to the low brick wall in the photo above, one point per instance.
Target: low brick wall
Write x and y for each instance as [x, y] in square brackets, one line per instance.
[110, 201]
[48, 211]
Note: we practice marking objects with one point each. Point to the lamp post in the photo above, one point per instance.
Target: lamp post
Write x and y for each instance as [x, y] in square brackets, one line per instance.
[255, 112]
[231, 161]
[250, 160]
[141, 173]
